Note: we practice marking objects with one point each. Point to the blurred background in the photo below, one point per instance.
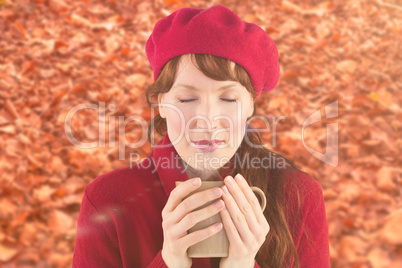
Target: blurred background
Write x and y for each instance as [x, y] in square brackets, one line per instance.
[57, 54]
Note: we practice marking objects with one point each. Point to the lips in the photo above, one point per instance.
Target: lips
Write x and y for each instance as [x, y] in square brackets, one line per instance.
[208, 142]
[207, 146]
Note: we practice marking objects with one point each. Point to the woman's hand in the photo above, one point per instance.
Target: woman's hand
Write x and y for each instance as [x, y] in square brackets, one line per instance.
[244, 223]
[177, 218]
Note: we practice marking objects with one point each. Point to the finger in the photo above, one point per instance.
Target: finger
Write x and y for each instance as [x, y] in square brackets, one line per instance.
[240, 210]
[191, 219]
[238, 219]
[230, 228]
[180, 192]
[250, 196]
[195, 201]
[200, 235]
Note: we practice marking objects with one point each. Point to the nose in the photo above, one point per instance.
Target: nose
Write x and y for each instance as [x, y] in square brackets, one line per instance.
[206, 113]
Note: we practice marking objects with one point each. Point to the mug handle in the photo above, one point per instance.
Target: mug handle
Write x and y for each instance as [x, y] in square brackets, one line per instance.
[262, 195]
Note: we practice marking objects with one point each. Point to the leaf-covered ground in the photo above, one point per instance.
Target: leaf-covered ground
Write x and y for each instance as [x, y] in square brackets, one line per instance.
[57, 54]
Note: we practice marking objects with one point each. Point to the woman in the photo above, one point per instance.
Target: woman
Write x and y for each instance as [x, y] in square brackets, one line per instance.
[209, 68]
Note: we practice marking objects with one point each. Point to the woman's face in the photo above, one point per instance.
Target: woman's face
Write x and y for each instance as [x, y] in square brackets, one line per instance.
[205, 118]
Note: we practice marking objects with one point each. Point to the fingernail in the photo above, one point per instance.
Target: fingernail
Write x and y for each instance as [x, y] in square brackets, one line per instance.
[239, 177]
[218, 225]
[229, 180]
[218, 204]
[196, 181]
[225, 189]
[216, 192]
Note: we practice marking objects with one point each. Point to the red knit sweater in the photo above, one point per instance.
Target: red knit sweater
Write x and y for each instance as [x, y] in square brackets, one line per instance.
[120, 222]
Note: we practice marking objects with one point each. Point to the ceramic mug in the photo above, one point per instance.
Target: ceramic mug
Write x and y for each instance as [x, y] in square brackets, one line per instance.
[218, 244]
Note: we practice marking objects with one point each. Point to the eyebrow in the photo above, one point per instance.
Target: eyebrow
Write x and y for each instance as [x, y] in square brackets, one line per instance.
[196, 89]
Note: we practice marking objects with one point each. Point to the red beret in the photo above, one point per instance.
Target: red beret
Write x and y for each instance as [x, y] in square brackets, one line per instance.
[217, 31]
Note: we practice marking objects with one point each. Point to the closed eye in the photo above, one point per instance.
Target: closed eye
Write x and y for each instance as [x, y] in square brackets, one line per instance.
[227, 100]
[181, 101]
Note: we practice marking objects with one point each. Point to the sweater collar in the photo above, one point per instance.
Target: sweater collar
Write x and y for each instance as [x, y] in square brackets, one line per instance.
[170, 167]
